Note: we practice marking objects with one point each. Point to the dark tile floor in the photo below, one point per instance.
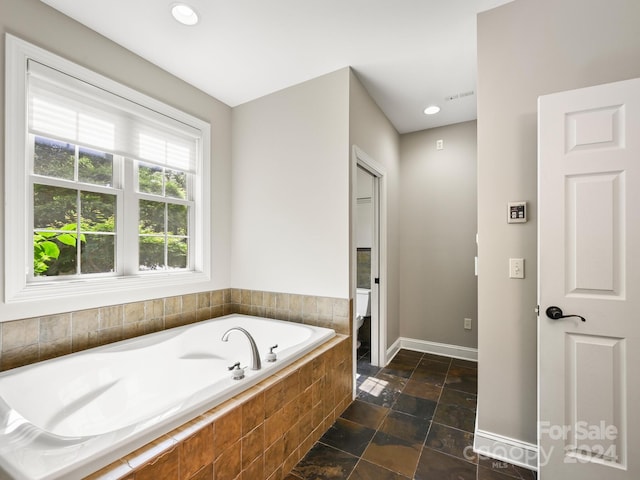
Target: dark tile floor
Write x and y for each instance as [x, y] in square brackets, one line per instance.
[413, 419]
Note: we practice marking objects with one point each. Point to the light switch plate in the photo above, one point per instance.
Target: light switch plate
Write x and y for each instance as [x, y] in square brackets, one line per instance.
[516, 268]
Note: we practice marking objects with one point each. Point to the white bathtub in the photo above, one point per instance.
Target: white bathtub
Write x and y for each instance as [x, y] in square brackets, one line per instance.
[70, 416]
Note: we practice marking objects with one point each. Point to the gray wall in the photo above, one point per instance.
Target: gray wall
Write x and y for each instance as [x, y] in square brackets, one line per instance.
[438, 286]
[290, 208]
[372, 132]
[525, 49]
[39, 24]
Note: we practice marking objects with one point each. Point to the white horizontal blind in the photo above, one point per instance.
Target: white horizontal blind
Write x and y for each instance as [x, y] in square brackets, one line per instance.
[65, 108]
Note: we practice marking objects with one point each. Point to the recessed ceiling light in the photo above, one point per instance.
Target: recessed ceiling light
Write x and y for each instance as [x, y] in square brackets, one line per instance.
[184, 14]
[431, 110]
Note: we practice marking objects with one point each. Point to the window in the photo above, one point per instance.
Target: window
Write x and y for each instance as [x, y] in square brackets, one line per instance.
[103, 185]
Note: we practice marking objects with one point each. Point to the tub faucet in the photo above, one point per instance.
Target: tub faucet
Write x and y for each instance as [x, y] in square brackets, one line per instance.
[256, 364]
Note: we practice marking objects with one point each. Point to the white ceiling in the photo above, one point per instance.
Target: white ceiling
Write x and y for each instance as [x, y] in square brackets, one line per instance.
[407, 53]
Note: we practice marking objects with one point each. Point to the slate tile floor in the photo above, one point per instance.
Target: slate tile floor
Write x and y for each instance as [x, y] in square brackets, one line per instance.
[413, 419]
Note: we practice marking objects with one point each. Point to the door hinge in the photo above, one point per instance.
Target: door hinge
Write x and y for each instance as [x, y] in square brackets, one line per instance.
[376, 280]
[537, 310]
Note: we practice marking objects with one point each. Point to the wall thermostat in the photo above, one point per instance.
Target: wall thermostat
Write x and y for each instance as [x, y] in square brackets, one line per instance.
[517, 212]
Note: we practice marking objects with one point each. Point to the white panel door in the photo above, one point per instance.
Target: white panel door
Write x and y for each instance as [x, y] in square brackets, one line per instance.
[589, 266]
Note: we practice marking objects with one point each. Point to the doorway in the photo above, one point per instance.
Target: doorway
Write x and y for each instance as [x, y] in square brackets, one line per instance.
[369, 259]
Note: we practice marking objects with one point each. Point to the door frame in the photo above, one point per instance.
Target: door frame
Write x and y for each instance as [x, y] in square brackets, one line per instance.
[378, 295]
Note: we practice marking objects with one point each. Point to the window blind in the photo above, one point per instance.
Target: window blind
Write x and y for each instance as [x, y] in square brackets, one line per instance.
[66, 108]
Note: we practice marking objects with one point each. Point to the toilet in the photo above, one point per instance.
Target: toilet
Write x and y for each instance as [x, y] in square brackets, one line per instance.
[363, 308]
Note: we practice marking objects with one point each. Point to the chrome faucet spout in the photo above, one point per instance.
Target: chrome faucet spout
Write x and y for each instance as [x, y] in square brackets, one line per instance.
[256, 364]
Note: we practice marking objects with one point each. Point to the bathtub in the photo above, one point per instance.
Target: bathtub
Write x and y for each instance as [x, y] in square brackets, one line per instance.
[70, 416]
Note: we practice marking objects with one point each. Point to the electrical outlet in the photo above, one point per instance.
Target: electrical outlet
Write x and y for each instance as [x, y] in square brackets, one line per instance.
[439, 144]
[467, 324]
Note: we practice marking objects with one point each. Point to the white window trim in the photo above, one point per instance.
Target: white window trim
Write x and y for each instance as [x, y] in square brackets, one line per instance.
[16, 254]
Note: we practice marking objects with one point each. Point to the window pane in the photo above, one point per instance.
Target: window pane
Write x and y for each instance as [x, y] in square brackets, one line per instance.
[98, 212]
[54, 159]
[177, 253]
[150, 179]
[151, 216]
[151, 252]
[54, 207]
[95, 167]
[98, 253]
[177, 220]
[175, 184]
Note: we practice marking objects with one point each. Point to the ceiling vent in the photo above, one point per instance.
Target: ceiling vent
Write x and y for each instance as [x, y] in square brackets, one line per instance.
[456, 96]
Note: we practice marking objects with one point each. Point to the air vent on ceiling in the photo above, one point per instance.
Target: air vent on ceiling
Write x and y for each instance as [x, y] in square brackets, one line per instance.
[456, 96]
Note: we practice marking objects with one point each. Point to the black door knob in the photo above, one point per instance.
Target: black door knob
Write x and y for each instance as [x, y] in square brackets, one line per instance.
[555, 313]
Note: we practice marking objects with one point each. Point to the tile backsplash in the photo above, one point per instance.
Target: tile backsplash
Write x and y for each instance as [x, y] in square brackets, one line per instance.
[31, 340]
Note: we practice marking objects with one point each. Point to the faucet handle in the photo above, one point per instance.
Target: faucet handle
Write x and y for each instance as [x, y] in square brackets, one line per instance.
[237, 373]
[271, 357]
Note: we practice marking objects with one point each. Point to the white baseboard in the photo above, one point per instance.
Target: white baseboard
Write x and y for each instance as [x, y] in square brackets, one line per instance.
[454, 351]
[392, 350]
[505, 449]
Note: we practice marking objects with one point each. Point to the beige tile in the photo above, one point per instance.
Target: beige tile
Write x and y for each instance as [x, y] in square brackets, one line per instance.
[325, 306]
[204, 300]
[245, 298]
[18, 357]
[154, 325]
[55, 348]
[111, 317]
[203, 314]
[295, 307]
[55, 327]
[236, 295]
[134, 312]
[217, 298]
[309, 305]
[20, 333]
[110, 335]
[226, 295]
[257, 298]
[189, 303]
[172, 305]
[341, 307]
[85, 321]
[269, 300]
[154, 309]
[282, 301]
[172, 321]
[134, 329]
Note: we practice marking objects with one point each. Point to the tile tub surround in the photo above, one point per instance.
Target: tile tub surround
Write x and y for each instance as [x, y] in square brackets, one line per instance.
[258, 435]
[31, 340]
